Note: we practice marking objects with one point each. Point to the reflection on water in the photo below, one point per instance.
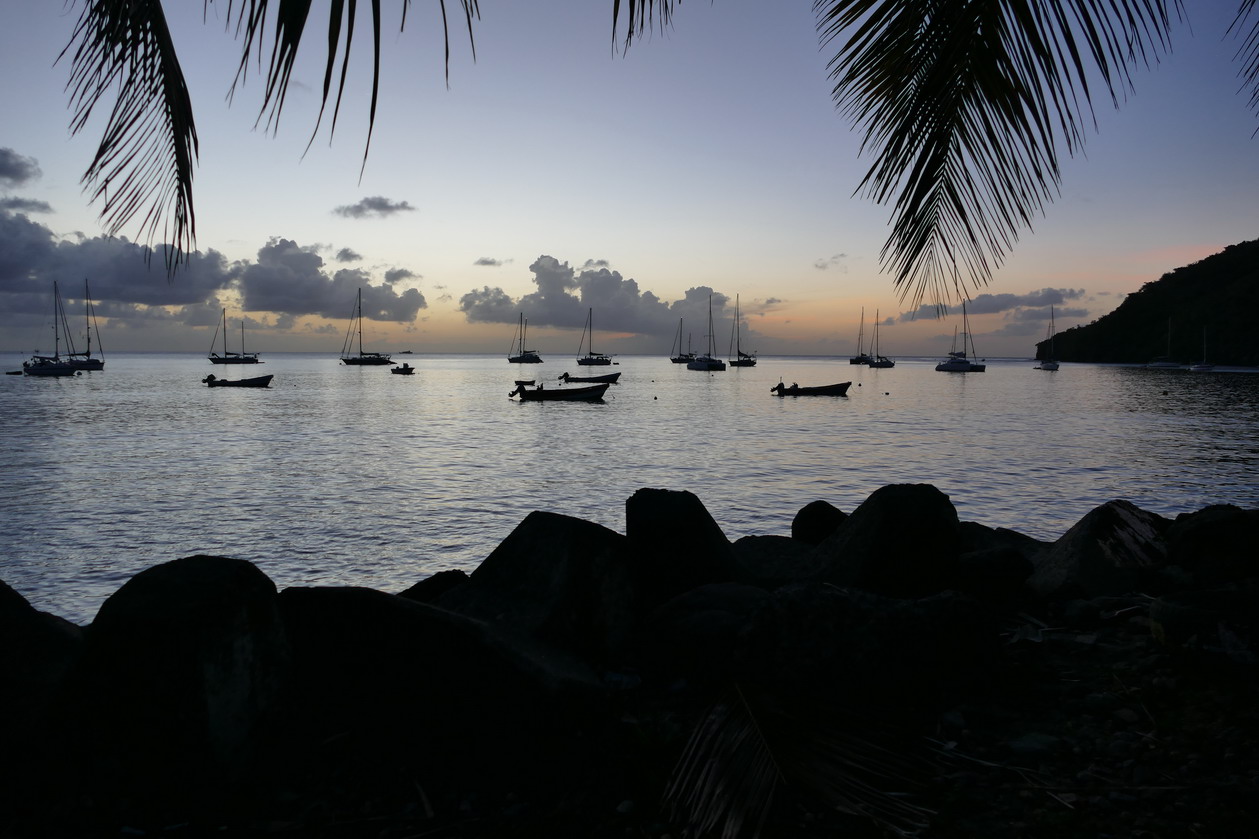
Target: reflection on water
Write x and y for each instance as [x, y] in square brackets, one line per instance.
[339, 475]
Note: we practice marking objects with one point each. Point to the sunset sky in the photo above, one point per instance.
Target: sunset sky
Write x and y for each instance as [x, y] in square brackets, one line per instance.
[555, 174]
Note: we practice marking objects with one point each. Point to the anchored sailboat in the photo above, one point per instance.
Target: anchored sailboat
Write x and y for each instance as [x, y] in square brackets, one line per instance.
[709, 360]
[522, 355]
[362, 358]
[587, 340]
[740, 359]
[241, 357]
[85, 360]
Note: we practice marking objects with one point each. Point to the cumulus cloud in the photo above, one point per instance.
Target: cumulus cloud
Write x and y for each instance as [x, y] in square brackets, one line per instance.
[397, 275]
[348, 255]
[991, 304]
[16, 169]
[374, 206]
[25, 205]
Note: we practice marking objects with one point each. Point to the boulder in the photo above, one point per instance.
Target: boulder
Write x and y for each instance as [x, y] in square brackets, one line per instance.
[1114, 549]
[182, 671]
[1217, 544]
[698, 635]
[816, 521]
[559, 579]
[902, 542]
[771, 561]
[674, 543]
[431, 588]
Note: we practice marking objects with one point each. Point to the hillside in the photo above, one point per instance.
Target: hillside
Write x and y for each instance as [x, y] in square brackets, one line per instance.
[1218, 294]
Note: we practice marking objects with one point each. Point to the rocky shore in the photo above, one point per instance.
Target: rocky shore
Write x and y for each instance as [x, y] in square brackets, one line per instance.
[888, 671]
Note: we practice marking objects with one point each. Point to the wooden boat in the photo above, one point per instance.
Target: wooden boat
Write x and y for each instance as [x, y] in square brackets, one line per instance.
[740, 359]
[587, 340]
[862, 357]
[241, 357]
[404, 370]
[590, 393]
[50, 366]
[85, 360]
[840, 389]
[879, 362]
[529, 382]
[522, 355]
[610, 378]
[374, 359]
[709, 360]
[675, 352]
[256, 381]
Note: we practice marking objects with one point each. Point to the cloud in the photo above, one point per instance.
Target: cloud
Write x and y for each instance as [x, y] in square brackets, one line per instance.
[375, 206]
[991, 304]
[489, 261]
[348, 255]
[839, 260]
[397, 275]
[25, 205]
[17, 170]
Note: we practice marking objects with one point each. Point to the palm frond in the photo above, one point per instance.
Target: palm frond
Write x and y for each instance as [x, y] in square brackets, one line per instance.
[750, 744]
[289, 25]
[144, 163]
[964, 105]
[641, 16]
[1248, 54]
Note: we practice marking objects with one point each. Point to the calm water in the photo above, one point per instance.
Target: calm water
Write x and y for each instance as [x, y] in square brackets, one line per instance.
[337, 475]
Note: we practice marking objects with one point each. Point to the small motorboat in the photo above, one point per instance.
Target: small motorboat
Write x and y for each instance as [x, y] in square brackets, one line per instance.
[525, 382]
[404, 370]
[840, 389]
[610, 378]
[590, 393]
[257, 381]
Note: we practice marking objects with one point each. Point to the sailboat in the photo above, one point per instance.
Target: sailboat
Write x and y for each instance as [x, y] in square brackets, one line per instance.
[51, 365]
[362, 358]
[741, 359]
[879, 361]
[84, 360]
[862, 357]
[241, 357]
[1049, 363]
[675, 352]
[957, 362]
[707, 361]
[1203, 366]
[1164, 362]
[522, 355]
[587, 340]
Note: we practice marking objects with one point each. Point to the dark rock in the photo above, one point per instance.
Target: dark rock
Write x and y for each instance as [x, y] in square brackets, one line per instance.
[558, 579]
[994, 575]
[698, 634]
[902, 542]
[772, 561]
[182, 671]
[1114, 549]
[674, 543]
[816, 521]
[1217, 544]
[431, 588]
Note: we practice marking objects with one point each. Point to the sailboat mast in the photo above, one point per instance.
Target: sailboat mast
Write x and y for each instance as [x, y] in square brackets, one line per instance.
[360, 322]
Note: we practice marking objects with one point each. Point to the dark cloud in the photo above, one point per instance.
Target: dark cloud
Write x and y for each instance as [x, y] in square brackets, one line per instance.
[397, 275]
[347, 255]
[564, 296]
[17, 170]
[291, 279]
[991, 304]
[375, 206]
[489, 261]
[25, 205]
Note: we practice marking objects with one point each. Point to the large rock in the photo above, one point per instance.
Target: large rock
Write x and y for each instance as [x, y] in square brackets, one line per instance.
[674, 543]
[396, 694]
[902, 542]
[816, 521]
[1116, 548]
[182, 671]
[558, 579]
[1217, 544]
[698, 635]
[771, 561]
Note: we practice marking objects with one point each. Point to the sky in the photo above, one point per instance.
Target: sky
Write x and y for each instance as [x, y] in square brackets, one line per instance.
[552, 175]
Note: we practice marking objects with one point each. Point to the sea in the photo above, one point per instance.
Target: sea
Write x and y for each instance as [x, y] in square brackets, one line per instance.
[339, 475]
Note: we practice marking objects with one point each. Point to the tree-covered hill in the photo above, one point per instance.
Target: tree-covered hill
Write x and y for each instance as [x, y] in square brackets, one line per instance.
[1219, 294]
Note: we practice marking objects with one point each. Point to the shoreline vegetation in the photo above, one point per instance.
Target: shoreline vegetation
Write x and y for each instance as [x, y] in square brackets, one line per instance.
[887, 671]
